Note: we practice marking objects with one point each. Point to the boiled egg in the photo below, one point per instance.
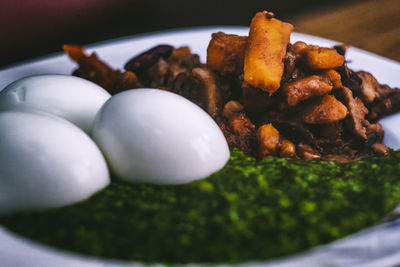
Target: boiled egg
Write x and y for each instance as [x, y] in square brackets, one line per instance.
[45, 162]
[154, 136]
[74, 99]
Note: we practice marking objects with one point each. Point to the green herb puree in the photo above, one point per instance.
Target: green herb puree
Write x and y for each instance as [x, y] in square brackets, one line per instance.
[250, 210]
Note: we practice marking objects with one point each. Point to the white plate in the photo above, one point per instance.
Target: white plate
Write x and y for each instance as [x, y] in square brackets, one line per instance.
[362, 249]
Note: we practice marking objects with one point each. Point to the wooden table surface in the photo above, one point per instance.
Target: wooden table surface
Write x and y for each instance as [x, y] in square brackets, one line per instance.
[372, 25]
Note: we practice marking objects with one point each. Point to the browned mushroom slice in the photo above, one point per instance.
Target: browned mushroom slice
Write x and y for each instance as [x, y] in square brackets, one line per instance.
[385, 105]
[370, 88]
[191, 88]
[239, 131]
[326, 109]
[360, 127]
[356, 109]
[307, 152]
[213, 97]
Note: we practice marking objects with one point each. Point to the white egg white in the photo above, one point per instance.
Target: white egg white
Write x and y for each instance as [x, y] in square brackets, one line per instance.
[154, 136]
[74, 99]
[45, 162]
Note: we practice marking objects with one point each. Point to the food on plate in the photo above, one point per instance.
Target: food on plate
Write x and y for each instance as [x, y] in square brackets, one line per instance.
[154, 136]
[74, 99]
[307, 93]
[46, 162]
[291, 113]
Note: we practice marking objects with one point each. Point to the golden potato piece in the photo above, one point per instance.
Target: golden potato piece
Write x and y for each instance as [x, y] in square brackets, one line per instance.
[269, 139]
[323, 58]
[318, 58]
[326, 110]
[305, 88]
[225, 53]
[332, 77]
[266, 48]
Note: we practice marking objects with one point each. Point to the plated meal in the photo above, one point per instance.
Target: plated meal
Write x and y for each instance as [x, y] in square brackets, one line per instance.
[267, 149]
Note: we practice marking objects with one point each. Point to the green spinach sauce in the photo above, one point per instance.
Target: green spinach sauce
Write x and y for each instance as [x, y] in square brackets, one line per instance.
[250, 210]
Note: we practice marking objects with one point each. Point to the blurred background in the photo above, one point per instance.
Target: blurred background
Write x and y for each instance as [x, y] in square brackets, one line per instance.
[31, 28]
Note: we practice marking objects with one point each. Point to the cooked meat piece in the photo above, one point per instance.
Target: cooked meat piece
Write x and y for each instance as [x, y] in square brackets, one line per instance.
[157, 74]
[95, 70]
[239, 131]
[357, 111]
[385, 105]
[289, 125]
[329, 132]
[374, 131]
[213, 97]
[341, 49]
[184, 56]
[268, 139]
[370, 88]
[289, 62]
[350, 79]
[326, 109]
[162, 74]
[307, 152]
[190, 87]
[380, 149]
[127, 80]
[305, 88]
[225, 53]
[358, 125]
[148, 58]
[256, 100]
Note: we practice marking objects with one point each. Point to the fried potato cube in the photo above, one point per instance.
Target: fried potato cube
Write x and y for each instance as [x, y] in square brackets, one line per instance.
[269, 139]
[326, 110]
[305, 88]
[323, 58]
[265, 51]
[332, 77]
[225, 53]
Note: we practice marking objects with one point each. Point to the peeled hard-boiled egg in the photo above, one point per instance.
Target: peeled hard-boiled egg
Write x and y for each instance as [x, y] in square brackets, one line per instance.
[74, 99]
[46, 161]
[154, 136]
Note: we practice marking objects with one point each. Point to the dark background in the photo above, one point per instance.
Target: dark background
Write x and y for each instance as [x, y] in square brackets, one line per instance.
[30, 28]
